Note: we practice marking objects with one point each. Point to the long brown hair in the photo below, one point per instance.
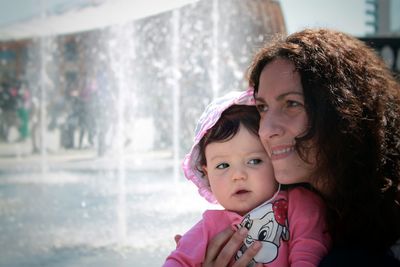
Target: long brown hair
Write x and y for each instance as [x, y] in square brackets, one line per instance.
[353, 104]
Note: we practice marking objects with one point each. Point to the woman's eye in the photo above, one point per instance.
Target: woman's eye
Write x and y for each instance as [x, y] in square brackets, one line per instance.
[261, 107]
[291, 103]
[222, 166]
[255, 161]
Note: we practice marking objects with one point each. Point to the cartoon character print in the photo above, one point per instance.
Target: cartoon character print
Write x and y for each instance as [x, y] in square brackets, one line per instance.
[268, 224]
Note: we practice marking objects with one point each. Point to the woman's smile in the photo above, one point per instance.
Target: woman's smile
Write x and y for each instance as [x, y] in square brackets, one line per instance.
[280, 152]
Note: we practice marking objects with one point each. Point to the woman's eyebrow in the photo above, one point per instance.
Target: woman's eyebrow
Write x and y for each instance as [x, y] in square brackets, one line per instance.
[281, 96]
[289, 93]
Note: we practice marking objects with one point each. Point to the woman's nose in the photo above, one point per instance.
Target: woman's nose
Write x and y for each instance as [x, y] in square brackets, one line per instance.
[270, 126]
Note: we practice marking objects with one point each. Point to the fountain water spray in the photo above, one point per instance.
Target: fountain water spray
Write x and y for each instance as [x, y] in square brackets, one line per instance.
[176, 74]
[215, 51]
[44, 82]
[122, 55]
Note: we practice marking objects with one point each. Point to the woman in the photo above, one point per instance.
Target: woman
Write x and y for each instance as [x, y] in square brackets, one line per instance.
[330, 118]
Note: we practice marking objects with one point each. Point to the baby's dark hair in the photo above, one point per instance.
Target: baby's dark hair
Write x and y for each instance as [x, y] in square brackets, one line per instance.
[228, 125]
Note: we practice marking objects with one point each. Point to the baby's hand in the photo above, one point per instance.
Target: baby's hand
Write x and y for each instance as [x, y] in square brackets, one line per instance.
[177, 238]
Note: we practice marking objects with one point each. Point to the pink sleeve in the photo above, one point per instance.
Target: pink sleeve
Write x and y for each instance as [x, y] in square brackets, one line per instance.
[310, 240]
[192, 247]
[190, 250]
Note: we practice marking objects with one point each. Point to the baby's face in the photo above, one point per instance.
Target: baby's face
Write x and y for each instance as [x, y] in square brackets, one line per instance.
[240, 172]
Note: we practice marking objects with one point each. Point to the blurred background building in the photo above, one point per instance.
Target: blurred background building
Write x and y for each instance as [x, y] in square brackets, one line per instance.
[384, 17]
[384, 20]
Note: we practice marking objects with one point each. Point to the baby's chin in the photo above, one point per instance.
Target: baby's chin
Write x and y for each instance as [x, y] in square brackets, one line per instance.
[243, 211]
[240, 212]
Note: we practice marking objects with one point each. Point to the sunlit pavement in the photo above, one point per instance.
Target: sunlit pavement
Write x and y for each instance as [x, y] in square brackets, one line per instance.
[81, 210]
[18, 156]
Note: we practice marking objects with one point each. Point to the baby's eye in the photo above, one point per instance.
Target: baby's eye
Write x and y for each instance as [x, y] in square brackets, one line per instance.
[222, 166]
[255, 161]
[261, 107]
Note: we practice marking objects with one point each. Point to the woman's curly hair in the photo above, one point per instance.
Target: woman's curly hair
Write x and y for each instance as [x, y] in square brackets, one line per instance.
[353, 105]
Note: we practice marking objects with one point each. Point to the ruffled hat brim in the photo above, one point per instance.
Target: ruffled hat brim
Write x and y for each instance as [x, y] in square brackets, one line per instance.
[208, 119]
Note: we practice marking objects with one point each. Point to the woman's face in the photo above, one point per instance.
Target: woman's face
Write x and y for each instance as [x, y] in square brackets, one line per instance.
[280, 101]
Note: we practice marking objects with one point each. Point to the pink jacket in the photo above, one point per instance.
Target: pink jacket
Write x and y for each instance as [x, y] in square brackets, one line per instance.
[303, 243]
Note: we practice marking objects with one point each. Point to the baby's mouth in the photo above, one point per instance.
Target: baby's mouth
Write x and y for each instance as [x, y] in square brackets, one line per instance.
[241, 192]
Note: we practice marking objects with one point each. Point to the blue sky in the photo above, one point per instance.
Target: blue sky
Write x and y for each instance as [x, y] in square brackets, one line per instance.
[344, 15]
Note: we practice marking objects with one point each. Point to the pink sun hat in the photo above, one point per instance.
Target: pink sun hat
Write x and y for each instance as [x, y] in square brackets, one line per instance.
[191, 162]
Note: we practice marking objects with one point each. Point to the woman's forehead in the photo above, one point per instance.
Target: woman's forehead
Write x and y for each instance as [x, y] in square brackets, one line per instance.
[279, 78]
